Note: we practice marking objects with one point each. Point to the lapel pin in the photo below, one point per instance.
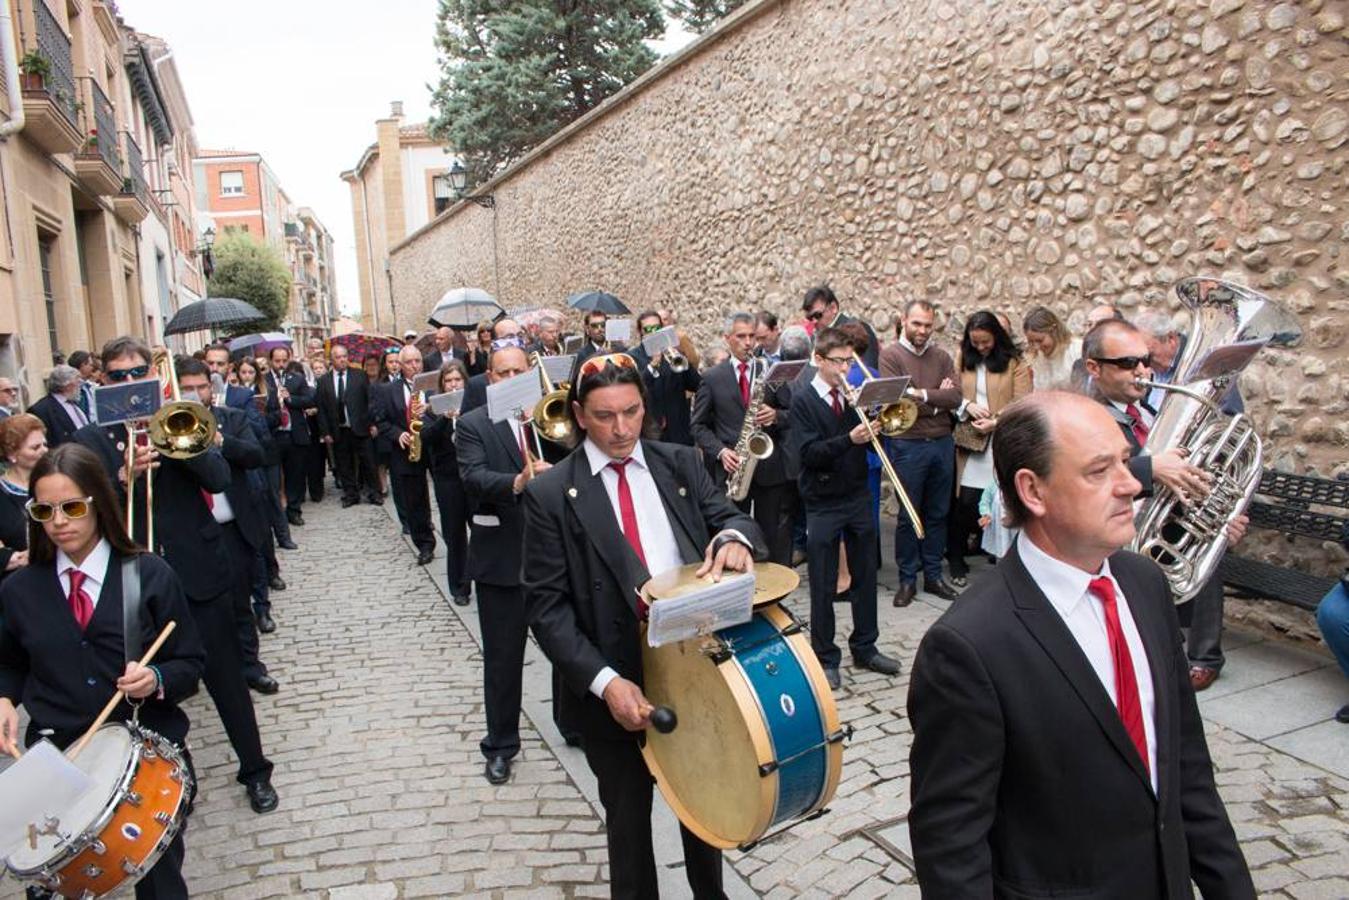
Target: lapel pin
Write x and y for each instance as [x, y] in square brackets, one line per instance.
[571, 492]
[121, 445]
[683, 492]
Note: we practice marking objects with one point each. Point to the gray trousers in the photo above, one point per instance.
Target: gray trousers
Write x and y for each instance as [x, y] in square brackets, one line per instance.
[1203, 617]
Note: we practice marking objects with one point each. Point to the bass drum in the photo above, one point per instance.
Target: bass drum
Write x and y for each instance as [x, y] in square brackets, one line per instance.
[758, 741]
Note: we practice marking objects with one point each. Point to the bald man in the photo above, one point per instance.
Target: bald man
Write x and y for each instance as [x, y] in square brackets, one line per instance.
[392, 403]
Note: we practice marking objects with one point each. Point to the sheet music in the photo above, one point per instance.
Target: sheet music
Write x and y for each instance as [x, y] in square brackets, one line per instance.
[785, 370]
[883, 391]
[657, 342]
[518, 394]
[39, 784]
[572, 343]
[427, 382]
[702, 611]
[444, 404]
[617, 330]
[559, 367]
[127, 401]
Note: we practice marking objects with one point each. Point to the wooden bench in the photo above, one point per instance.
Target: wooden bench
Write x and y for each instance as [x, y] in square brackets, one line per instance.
[1284, 503]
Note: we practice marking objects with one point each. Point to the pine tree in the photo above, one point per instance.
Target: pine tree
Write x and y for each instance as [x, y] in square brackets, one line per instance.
[253, 272]
[700, 15]
[514, 72]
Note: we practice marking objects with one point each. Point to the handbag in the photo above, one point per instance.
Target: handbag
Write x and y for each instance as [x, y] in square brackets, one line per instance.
[967, 437]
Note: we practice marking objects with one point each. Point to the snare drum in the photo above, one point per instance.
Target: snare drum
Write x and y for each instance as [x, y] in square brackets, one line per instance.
[121, 826]
[758, 741]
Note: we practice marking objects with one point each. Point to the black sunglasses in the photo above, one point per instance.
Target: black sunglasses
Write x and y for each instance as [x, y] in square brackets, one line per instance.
[134, 373]
[1126, 362]
[74, 508]
[651, 329]
[815, 316]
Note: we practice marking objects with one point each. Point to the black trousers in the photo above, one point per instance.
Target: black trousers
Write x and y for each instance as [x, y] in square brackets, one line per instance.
[625, 786]
[453, 503]
[501, 616]
[224, 680]
[315, 467]
[774, 509]
[963, 522]
[242, 558]
[854, 520]
[270, 499]
[355, 464]
[416, 496]
[293, 470]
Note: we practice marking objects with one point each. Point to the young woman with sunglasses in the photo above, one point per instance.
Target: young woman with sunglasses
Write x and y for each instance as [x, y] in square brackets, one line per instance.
[23, 441]
[62, 650]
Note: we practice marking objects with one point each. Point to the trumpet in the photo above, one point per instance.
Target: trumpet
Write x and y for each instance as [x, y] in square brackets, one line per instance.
[551, 418]
[679, 363]
[894, 418]
[850, 394]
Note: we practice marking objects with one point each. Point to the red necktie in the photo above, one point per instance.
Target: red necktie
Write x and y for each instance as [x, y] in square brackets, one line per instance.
[209, 498]
[1139, 429]
[835, 402]
[80, 605]
[1126, 684]
[627, 511]
[744, 384]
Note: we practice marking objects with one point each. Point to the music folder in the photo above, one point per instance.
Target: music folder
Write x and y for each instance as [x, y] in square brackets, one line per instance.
[427, 382]
[127, 401]
[657, 342]
[883, 391]
[444, 404]
[513, 397]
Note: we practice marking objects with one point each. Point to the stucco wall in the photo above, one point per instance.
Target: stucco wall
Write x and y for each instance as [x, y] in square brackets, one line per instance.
[980, 154]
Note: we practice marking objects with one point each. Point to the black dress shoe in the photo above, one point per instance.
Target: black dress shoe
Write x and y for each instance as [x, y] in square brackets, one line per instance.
[295, 519]
[276, 583]
[459, 599]
[498, 770]
[425, 556]
[349, 501]
[266, 624]
[831, 676]
[261, 795]
[940, 588]
[905, 594]
[1343, 715]
[288, 545]
[374, 500]
[264, 684]
[879, 663]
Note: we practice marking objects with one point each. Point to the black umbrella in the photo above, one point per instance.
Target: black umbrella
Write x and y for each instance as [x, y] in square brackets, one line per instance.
[599, 301]
[222, 313]
[463, 308]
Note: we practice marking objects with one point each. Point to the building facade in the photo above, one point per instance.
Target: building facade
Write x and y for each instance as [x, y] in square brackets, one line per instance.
[399, 185]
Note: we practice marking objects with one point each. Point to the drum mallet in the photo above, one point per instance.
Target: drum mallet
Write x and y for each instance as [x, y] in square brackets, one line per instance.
[119, 696]
[663, 719]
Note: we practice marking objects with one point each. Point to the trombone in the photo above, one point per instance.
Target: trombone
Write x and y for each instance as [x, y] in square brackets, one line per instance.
[895, 418]
[850, 394]
[180, 429]
[552, 418]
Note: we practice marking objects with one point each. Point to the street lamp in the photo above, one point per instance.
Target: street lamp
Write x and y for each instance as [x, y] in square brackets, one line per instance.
[204, 248]
[459, 184]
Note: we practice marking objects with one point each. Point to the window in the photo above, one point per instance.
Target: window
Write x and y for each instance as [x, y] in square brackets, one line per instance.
[231, 184]
[44, 258]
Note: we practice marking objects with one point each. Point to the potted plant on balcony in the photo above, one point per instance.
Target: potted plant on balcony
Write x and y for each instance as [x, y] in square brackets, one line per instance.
[34, 68]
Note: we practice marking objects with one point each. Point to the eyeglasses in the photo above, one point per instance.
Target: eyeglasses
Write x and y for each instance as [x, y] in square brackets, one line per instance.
[838, 360]
[596, 324]
[75, 508]
[596, 364]
[1126, 362]
[651, 329]
[9, 390]
[135, 373]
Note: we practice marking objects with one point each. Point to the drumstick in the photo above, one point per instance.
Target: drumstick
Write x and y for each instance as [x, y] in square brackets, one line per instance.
[119, 696]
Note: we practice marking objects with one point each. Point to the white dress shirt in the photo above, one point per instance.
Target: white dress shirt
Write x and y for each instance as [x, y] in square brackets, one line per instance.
[1144, 414]
[824, 390]
[73, 410]
[94, 567]
[1083, 613]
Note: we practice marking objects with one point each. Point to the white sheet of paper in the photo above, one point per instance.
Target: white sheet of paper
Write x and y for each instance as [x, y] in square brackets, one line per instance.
[703, 611]
[508, 399]
[559, 367]
[657, 342]
[785, 370]
[443, 404]
[427, 382]
[617, 330]
[572, 343]
[41, 783]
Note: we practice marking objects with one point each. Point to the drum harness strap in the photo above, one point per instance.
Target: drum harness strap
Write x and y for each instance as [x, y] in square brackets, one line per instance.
[132, 603]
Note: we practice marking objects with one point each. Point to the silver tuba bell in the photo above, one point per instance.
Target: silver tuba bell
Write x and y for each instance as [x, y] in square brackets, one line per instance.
[1230, 323]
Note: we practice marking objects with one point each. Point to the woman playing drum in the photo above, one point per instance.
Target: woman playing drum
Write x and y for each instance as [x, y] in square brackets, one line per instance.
[62, 646]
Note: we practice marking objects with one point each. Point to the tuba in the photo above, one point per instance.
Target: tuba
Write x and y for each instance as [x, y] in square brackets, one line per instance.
[1229, 323]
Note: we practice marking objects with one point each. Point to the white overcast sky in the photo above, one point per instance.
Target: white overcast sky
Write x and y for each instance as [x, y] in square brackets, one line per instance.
[302, 82]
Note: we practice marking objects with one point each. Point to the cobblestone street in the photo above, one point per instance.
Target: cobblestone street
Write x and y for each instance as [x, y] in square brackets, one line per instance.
[375, 730]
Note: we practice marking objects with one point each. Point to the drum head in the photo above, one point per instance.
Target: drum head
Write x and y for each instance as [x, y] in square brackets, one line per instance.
[772, 582]
[708, 767]
[105, 760]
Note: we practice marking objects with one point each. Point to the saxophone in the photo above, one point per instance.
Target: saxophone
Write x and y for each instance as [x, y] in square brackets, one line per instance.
[753, 444]
[415, 427]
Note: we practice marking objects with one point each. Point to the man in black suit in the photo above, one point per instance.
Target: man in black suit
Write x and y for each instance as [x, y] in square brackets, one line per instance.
[549, 342]
[616, 511]
[242, 525]
[344, 420]
[60, 410]
[831, 445]
[718, 415]
[288, 396]
[494, 471]
[393, 419]
[595, 341]
[475, 392]
[667, 390]
[1058, 749]
[822, 311]
[193, 544]
[444, 350]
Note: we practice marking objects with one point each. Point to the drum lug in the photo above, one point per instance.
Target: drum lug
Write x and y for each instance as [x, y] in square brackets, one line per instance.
[176, 774]
[92, 871]
[162, 818]
[768, 768]
[148, 751]
[98, 847]
[843, 734]
[130, 868]
[132, 798]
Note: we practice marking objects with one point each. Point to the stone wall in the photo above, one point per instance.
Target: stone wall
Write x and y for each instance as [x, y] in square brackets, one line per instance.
[980, 154]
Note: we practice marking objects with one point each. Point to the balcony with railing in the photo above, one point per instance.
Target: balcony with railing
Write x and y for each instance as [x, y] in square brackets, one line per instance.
[98, 164]
[50, 101]
[133, 203]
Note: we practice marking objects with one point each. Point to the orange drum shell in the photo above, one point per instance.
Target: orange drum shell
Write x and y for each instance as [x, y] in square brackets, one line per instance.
[160, 792]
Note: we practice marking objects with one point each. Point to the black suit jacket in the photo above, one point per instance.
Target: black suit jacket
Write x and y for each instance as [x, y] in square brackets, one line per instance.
[718, 415]
[1025, 783]
[13, 528]
[301, 398]
[1140, 463]
[435, 359]
[833, 469]
[668, 395]
[438, 441]
[188, 536]
[356, 399]
[242, 451]
[242, 399]
[60, 426]
[63, 677]
[475, 393]
[873, 354]
[581, 575]
[391, 418]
